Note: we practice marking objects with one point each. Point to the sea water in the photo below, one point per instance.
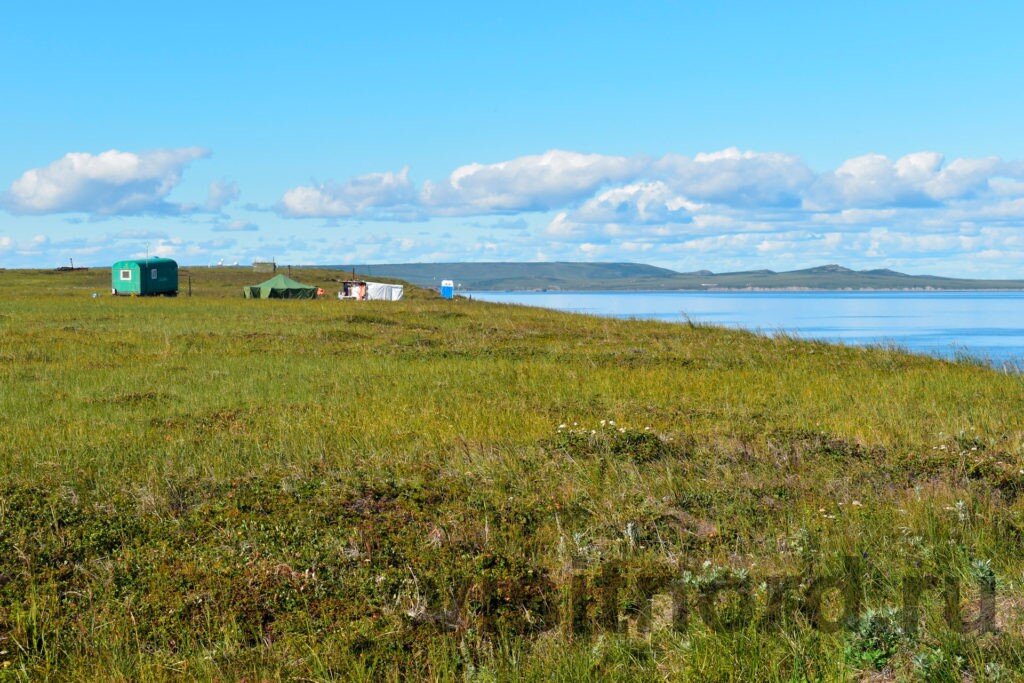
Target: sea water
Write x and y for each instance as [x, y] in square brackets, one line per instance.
[984, 325]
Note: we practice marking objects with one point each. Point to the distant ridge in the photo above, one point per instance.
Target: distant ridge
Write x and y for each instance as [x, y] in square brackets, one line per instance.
[830, 268]
[885, 271]
[570, 276]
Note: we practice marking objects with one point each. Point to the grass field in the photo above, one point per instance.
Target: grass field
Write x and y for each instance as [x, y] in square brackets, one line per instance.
[213, 488]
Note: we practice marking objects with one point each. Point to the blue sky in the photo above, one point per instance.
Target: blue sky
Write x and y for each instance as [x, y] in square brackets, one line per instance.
[689, 135]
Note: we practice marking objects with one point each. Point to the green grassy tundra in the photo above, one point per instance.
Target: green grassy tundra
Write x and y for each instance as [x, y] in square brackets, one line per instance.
[212, 488]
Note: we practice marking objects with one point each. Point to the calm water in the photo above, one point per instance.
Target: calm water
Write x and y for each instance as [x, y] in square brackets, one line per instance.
[987, 325]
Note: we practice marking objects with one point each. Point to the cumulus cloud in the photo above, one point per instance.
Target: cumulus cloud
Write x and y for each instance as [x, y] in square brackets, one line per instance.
[591, 189]
[637, 203]
[737, 178]
[921, 179]
[220, 194]
[236, 226]
[109, 183]
[732, 204]
[529, 183]
[356, 197]
[622, 208]
[503, 224]
[563, 228]
[591, 250]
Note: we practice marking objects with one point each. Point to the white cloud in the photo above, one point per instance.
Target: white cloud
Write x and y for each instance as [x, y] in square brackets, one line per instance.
[622, 210]
[109, 183]
[856, 216]
[711, 198]
[562, 227]
[235, 226]
[638, 203]
[730, 208]
[920, 179]
[529, 183]
[737, 178]
[1006, 187]
[964, 178]
[353, 198]
[220, 194]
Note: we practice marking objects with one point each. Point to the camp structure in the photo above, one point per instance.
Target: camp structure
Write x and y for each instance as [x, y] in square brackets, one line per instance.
[360, 290]
[379, 291]
[144, 277]
[264, 266]
[280, 287]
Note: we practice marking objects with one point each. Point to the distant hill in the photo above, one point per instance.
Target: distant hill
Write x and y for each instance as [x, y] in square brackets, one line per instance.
[510, 276]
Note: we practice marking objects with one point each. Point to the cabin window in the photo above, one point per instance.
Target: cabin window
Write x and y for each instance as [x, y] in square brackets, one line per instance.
[126, 275]
[152, 274]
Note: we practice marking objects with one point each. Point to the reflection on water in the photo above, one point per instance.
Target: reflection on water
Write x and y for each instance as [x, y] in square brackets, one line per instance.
[986, 325]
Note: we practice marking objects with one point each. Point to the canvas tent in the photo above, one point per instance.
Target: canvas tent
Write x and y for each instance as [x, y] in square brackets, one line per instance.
[370, 291]
[280, 287]
[378, 291]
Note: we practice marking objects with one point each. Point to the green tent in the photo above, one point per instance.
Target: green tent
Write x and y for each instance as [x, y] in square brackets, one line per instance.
[280, 287]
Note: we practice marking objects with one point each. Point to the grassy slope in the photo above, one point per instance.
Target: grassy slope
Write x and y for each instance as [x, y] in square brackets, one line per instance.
[635, 276]
[209, 486]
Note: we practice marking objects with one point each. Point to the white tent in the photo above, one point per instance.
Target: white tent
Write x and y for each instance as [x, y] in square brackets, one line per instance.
[378, 291]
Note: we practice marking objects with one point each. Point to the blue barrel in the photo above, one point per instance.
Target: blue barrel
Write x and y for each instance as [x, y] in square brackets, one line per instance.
[447, 289]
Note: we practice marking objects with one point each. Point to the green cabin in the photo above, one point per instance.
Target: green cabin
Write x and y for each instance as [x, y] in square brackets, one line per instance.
[145, 277]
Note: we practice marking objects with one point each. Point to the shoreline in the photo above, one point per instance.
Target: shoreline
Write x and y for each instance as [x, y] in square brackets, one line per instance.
[957, 350]
[744, 289]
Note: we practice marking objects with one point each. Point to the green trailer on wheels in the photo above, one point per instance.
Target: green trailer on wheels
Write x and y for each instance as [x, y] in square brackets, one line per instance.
[145, 277]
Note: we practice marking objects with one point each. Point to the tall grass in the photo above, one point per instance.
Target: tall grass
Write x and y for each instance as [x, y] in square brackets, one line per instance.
[209, 487]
